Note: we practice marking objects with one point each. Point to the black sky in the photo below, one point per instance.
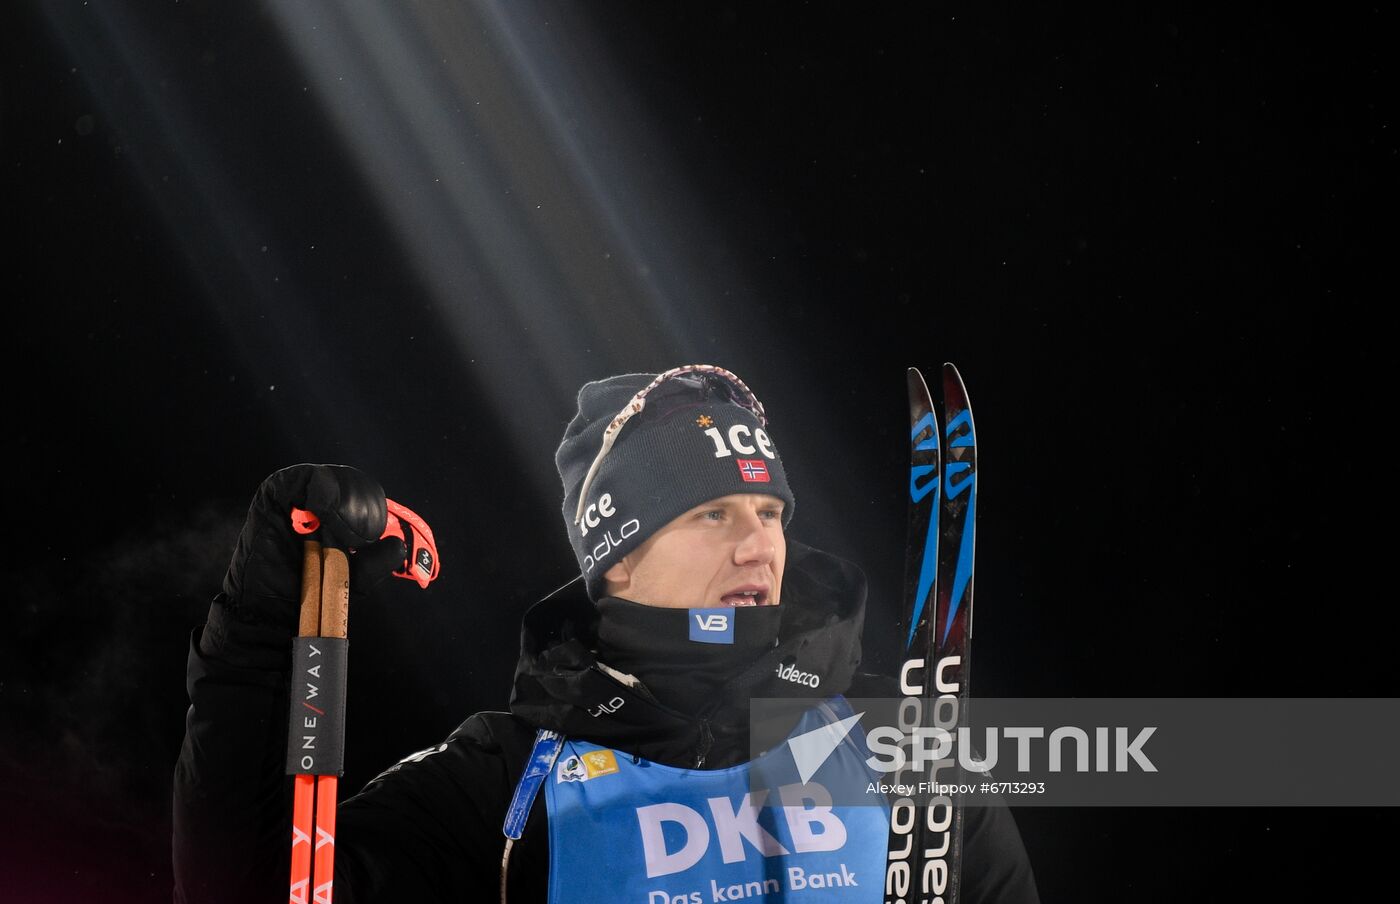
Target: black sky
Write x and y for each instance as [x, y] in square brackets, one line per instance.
[1156, 242]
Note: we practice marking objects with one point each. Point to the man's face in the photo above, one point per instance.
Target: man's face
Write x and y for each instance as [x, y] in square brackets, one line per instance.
[728, 552]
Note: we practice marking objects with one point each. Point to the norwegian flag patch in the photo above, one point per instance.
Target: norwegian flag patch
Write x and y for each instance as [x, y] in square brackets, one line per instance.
[753, 470]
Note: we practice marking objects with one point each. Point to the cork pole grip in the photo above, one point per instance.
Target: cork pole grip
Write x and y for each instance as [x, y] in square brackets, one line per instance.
[310, 623]
[335, 593]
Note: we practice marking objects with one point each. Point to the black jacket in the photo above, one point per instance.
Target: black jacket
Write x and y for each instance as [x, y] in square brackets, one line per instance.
[430, 827]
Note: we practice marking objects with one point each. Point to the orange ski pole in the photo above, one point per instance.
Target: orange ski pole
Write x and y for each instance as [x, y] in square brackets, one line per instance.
[316, 729]
[304, 787]
[316, 720]
[335, 614]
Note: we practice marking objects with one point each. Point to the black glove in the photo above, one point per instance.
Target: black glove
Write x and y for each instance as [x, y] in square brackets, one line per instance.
[257, 613]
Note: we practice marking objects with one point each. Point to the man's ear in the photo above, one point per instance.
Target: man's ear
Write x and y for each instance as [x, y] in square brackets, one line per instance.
[619, 575]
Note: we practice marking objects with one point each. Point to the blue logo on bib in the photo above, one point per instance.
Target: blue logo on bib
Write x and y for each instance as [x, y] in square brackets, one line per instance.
[712, 625]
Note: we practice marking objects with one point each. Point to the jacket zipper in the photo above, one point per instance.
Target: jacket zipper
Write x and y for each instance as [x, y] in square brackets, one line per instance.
[706, 740]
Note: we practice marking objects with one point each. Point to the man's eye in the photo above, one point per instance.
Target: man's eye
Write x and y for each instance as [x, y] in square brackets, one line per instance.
[712, 515]
[773, 514]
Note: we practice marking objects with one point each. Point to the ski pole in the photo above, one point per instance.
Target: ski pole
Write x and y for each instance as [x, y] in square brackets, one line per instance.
[335, 615]
[316, 736]
[304, 786]
[316, 720]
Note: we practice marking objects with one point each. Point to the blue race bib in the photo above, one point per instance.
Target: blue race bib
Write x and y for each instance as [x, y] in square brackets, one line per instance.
[630, 831]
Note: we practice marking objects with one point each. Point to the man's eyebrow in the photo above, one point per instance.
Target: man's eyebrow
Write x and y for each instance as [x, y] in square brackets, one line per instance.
[733, 503]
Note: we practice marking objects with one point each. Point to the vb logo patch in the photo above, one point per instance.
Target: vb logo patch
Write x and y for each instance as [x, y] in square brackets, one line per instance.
[711, 626]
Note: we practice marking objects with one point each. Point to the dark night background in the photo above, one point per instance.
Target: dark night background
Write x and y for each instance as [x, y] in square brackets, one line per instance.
[1155, 241]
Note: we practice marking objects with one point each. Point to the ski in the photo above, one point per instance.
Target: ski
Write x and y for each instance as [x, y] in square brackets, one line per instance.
[925, 842]
[908, 838]
[952, 623]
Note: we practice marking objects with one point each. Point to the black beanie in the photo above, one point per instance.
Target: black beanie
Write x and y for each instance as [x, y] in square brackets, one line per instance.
[699, 435]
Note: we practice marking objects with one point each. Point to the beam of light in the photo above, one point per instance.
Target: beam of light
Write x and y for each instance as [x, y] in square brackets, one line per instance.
[553, 234]
[548, 223]
[528, 263]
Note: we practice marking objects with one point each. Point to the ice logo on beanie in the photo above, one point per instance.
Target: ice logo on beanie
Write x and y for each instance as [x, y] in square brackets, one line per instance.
[736, 437]
[593, 516]
[596, 512]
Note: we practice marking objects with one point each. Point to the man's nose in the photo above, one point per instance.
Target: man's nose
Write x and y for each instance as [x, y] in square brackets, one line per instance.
[755, 546]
